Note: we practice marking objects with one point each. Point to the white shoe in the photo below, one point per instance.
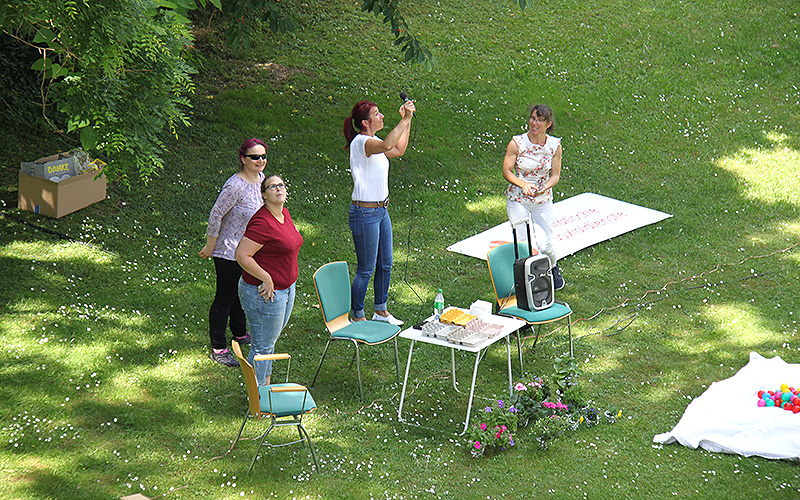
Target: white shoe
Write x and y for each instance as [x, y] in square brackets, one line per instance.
[387, 319]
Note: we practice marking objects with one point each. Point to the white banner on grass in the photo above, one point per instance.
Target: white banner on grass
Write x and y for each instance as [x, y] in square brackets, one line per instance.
[578, 222]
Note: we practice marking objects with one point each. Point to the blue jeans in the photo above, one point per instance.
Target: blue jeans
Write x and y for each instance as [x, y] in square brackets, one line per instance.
[266, 320]
[372, 236]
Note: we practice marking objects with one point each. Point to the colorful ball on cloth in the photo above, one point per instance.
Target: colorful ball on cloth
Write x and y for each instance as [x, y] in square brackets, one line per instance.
[795, 408]
[786, 396]
[770, 402]
[778, 394]
[766, 396]
[760, 394]
[761, 403]
[784, 387]
[787, 406]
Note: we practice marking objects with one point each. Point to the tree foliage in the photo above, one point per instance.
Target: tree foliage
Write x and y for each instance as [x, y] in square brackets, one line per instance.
[116, 71]
[409, 44]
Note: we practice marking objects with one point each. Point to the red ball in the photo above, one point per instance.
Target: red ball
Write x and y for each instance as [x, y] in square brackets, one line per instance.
[787, 406]
[760, 394]
[796, 409]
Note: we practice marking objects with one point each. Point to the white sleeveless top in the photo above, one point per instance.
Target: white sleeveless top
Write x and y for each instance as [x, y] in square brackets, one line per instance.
[370, 175]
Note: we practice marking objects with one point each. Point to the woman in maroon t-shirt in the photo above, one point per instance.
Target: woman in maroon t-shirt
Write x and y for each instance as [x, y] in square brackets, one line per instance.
[268, 256]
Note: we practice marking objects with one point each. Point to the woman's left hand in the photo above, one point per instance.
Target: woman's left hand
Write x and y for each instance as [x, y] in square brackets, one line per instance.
[267, 290]
[407, 110]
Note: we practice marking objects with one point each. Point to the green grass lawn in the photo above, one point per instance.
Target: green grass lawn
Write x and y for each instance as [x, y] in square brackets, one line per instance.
[689, 108]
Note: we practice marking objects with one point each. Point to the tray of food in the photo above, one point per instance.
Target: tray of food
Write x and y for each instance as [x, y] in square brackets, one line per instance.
[455, 316]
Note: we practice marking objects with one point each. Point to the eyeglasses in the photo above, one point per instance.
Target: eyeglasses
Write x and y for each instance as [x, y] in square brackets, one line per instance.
[257, 157]
[274, 187]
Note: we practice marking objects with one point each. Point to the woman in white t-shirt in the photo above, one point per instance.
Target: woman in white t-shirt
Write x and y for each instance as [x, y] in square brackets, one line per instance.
[368, 216]
[532, 166]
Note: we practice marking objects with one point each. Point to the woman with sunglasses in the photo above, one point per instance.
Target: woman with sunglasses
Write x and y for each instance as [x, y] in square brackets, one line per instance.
[268, 255]
[368, 216]
[239, 199]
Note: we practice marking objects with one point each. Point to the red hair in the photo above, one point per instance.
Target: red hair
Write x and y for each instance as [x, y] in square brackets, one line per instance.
[249, 143]
[353, 122]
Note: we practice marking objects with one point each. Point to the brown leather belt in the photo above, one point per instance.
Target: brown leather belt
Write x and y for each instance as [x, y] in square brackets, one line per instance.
[371, 204]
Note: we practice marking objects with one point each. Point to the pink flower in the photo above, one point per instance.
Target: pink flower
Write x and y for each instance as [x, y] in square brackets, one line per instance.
[483, 426]
[477, 445]
[520, 387]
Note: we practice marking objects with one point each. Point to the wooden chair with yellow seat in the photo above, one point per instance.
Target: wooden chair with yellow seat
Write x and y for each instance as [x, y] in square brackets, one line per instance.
[284, 403]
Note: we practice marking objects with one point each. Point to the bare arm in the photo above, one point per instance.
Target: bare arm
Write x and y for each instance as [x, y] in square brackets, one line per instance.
[206, 251]
[396, 142]
[509, 162]
[245, 251]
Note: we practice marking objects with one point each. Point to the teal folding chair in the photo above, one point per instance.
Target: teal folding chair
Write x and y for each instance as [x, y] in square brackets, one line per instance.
[501, 270]
[284, 404]
[332, 282]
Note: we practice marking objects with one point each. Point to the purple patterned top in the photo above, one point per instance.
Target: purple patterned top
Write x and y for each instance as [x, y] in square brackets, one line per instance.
[235, 205]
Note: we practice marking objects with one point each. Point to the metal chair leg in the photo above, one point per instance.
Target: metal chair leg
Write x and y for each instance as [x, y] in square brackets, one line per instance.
[353, 360]
[244, 421]
[519, 350]
[569, 328]
[324, 353]
[396, 361]
[538, 330]
[260, 443]
[310, 446]
[358, 368]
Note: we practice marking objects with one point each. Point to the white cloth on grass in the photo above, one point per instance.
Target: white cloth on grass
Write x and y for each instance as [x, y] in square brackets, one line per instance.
[726, 418]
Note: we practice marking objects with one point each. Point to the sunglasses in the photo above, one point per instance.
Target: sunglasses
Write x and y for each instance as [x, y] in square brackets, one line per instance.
[257, 157]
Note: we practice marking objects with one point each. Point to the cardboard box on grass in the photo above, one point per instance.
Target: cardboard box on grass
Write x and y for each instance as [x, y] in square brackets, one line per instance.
[57, 199]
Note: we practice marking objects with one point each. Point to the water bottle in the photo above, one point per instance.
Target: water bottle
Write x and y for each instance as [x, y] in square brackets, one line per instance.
[438, 304]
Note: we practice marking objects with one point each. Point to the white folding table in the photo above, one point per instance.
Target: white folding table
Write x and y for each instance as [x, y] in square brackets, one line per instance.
[509, 326]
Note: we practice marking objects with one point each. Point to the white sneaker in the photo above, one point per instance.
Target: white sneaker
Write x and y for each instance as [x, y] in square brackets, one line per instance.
[387, 319]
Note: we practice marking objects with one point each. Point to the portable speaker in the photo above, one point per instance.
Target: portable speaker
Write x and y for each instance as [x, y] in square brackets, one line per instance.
[533, 278]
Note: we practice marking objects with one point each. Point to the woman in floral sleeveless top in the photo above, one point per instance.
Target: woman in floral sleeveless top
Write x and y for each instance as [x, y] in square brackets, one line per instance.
[532, 166]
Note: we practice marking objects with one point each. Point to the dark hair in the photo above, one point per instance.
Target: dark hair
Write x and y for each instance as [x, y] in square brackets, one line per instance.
[249, 143]
[264, 183]
[544, 111]
[353, 122]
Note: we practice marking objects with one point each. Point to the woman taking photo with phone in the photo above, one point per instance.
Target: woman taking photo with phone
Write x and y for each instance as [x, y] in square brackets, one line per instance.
[369, 216]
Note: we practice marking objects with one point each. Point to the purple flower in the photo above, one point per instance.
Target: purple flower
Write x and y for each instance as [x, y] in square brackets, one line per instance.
[488, 409]
[499, 403]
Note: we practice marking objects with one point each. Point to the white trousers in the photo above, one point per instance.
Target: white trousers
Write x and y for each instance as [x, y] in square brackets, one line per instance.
[541, 216]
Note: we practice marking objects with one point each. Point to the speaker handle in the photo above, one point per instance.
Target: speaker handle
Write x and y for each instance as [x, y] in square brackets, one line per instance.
[514, 232]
